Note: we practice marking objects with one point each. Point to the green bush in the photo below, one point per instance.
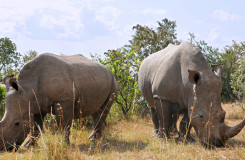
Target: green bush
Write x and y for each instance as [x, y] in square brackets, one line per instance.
[2, 100]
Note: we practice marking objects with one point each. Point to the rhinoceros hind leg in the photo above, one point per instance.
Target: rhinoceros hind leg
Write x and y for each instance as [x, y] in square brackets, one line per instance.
[38, 125]
[98, 122]
[99, 118]
[155, 121]
[163, 114]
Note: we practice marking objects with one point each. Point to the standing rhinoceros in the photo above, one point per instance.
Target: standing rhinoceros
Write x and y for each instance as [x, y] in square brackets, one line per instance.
[69, 86]
[177, 80]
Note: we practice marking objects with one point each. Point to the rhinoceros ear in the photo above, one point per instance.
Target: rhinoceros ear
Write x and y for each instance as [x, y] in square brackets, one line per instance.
[194, 77]
[217, 69]
[13, 83]
[6, 81]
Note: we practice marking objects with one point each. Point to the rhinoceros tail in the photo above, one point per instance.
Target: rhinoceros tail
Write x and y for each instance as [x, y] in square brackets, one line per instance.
[111, 97]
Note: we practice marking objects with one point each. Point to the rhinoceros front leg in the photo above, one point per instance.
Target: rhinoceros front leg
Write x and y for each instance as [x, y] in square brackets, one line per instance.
[38, 126]
[163, 111]
[64, 116]
[185, 129]
[173, 123]
[155, 121]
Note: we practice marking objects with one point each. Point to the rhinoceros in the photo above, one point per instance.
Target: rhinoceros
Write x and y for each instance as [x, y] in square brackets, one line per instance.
[178, 80]
[70, 87]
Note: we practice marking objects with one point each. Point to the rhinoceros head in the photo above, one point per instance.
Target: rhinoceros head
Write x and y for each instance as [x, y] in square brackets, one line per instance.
[206, 114]
[14, 124]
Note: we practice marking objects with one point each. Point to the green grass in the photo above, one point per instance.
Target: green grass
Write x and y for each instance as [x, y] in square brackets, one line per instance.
[129, 139]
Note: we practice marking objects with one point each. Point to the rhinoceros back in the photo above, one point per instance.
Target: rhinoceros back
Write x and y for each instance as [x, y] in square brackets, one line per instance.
[148, 70]
[68, 78]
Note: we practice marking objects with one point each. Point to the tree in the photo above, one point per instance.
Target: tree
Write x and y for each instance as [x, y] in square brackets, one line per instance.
[146, 40]
[238, 78]
[9, 63]
[123, 65]
[29, 56]
[233, 63]
[9, 57]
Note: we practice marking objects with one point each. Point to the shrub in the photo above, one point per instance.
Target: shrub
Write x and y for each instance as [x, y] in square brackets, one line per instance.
[2, 100]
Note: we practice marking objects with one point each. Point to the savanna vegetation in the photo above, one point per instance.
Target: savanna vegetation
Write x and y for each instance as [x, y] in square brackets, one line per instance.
[128, 131]
[127, 139]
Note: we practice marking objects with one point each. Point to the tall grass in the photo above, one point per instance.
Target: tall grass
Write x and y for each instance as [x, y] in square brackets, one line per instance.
[127, 139]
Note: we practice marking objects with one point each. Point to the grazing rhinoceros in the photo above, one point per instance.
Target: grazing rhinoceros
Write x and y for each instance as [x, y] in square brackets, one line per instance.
[177, 80]
[69, 86]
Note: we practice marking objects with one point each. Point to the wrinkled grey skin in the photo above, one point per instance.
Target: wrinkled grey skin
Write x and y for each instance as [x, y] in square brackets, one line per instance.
[177, 80]
[69, 86]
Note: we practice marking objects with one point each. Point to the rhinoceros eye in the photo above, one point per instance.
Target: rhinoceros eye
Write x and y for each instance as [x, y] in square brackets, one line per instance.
[16, 123]
[201, 116]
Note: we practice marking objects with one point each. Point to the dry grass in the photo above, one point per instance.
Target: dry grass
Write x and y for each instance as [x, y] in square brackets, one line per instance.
[235, 111]
[130, 140]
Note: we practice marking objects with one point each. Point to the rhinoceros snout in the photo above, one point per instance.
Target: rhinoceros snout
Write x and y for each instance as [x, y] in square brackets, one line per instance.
[11, 146]
[214, 142]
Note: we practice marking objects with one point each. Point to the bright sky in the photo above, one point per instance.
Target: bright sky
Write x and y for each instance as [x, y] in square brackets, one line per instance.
[94, 26]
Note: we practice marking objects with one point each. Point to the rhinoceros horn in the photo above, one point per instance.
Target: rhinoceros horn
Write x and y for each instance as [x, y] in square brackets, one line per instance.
[233, 131]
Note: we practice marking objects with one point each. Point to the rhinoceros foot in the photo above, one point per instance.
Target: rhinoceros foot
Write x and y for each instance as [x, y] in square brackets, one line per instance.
[154, 133]
[188, 138]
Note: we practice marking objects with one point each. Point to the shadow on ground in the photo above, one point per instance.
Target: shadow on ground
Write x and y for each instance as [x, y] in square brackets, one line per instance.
[113, 145]
[234, 143]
